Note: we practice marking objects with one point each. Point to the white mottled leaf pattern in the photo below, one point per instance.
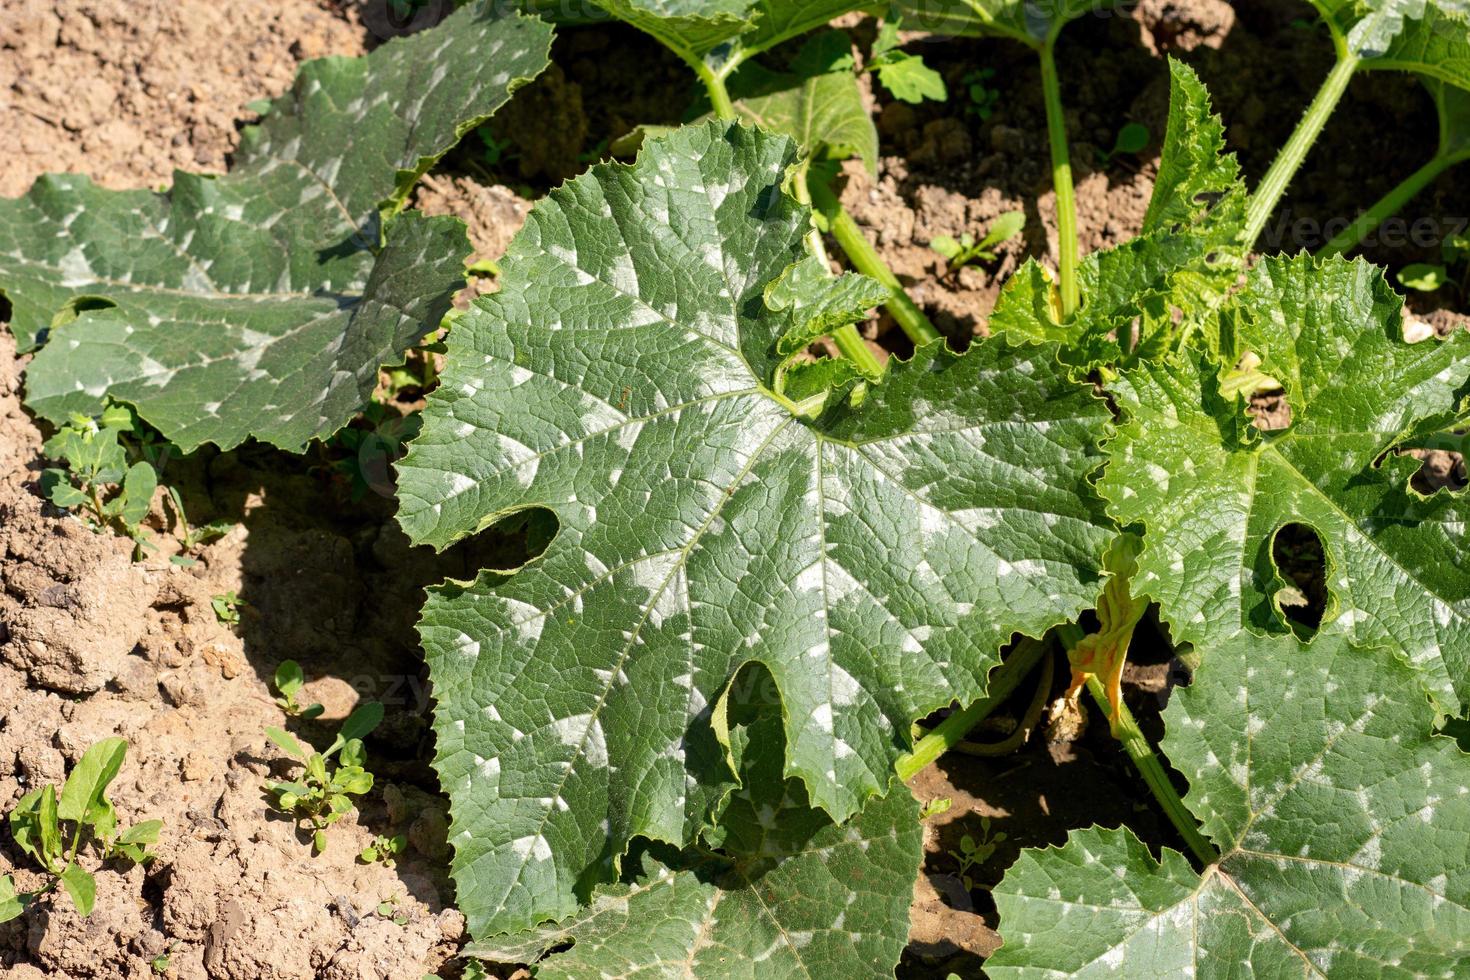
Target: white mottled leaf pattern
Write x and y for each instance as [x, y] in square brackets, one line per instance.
[263, 302]
[1213, 493]
[789, 895]
[1343, 827]
[875, 559]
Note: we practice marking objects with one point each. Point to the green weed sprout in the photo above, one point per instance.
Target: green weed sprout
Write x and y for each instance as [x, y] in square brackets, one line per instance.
[984, 100]
[384, 849]
[904, 75]
[974, 852]
[966, 250]
[289, 681]
[95, 478]
[323, 795]
[1132, 139]
[226, 608]
[54, 828]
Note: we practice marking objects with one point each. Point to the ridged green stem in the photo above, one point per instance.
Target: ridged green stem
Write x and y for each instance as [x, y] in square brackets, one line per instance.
[952, 730]
[1068, 246]
[1146, 761]
[865, 259]
[714, 84]
[1390, 204]
[1273, 186]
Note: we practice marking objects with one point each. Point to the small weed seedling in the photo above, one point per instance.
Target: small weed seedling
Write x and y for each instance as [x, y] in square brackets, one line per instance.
[289, 681]
[323, 795]
[966, 250]
[160, 963]
[1427, 277]
[974, 852]
[95, 479]
[384, 849]
[53, 828]
[984, 100]
[226, 607]
[190, 536]
[1132, 139]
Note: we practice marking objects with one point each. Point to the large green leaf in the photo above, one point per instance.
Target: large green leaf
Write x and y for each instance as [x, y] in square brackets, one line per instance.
[1024, 20]
[1177, 270]
[1213, 492]
[697, 29]
[1343, 827]
[790, 894]
[263, 302]
[874, 559]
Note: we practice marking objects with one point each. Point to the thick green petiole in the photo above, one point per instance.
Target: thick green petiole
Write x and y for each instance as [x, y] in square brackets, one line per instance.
[952, 730]
[714, 84]
[1068, 246]
[1391, 204]
[1146, 761]
[1273, 186]
[865, 259]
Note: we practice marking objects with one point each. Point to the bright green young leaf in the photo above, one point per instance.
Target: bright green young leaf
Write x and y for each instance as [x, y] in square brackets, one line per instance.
[910, 80]
[1024, 20]
[1185, 259]
[874, 559]
[262, 303]
[1213, 492]
[823, 113]
[792, 895]
[286, 741]
[816, 304]
[903, 74]
[138, 485]
[11, 904]
[81, 886]
[1194, 168]
[84, 795]
[145, 832]
[1343, 827]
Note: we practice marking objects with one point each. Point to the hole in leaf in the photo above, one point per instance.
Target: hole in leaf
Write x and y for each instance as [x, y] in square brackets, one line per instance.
[1271, 410]
[1459, 730]
[1441, 469]
[1301, 568]
[508, 544]
[78, 305]
[5, 307]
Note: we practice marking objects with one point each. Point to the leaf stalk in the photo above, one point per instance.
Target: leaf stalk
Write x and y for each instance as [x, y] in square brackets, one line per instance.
[865, 259]
[1273, 186]
[1068, 244]
[952, 730]
[1146, 761]
[1391, 203]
